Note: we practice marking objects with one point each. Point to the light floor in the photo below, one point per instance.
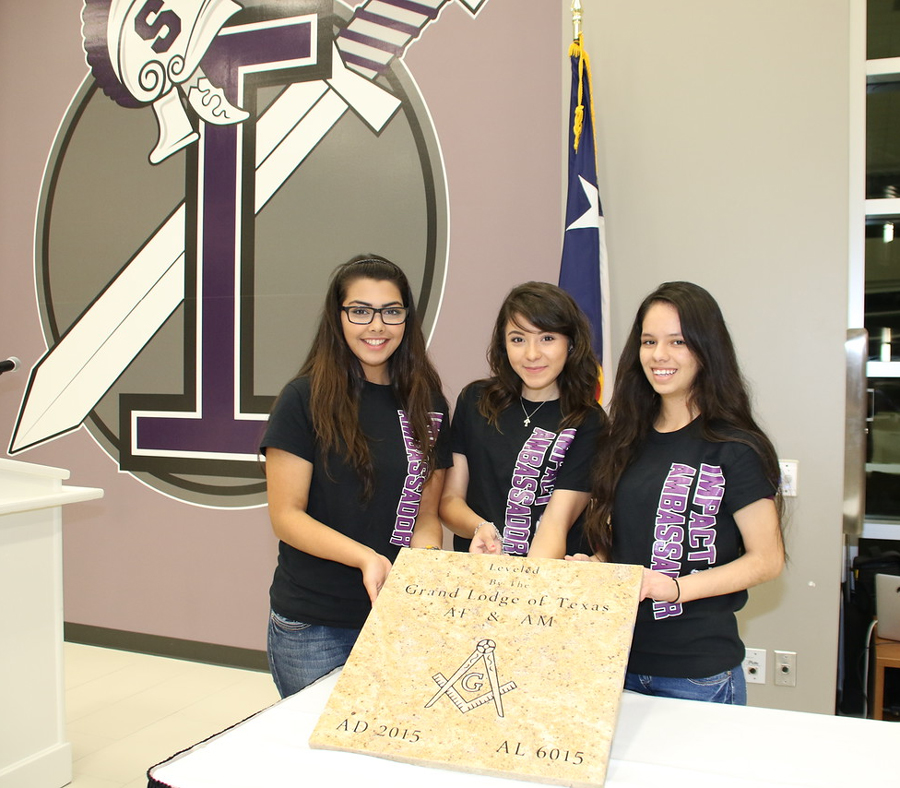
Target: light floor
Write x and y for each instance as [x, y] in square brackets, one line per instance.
[127, 712]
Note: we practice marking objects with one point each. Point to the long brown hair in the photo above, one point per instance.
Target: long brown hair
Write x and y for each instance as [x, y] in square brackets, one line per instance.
[550, 309]
[337, 377]
[719, 392]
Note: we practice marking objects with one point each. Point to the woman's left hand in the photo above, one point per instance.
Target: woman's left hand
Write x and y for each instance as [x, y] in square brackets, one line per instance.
[583, 557]
[658, 586]
[762, 560]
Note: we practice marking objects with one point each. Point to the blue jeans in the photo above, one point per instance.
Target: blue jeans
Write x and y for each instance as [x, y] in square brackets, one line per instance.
[301, 653]
[728, 687]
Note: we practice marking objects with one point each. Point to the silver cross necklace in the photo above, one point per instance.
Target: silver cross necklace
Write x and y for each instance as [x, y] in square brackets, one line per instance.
[527, 414]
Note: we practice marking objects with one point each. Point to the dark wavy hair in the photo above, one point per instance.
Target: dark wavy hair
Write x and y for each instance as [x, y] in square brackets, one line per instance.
[718, 393]
[337, 377]
[550, 309]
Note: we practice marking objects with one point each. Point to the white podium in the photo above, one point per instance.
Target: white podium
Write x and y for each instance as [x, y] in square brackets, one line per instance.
[33, 749]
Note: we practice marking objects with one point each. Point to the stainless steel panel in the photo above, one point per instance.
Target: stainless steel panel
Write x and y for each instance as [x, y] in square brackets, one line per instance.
[856, 348]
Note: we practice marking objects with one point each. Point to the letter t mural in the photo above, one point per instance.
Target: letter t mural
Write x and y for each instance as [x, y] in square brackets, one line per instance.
[154, 354]
[204, 430]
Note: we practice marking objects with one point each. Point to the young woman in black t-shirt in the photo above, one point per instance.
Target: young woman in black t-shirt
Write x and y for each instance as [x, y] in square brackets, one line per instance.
[355, 450]
[687, 485]
[524, 439]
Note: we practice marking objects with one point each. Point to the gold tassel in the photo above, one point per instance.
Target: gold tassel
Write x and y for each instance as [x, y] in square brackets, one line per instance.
[576, 49]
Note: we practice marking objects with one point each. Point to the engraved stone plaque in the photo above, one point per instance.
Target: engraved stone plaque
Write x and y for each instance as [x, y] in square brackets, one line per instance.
[503, 666]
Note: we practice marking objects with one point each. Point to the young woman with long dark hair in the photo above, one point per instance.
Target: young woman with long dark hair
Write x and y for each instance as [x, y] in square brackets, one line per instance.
[524, 439]
[687, 485]
[355, 451]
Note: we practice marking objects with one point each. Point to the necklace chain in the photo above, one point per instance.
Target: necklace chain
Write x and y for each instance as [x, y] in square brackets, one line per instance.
[527, 414]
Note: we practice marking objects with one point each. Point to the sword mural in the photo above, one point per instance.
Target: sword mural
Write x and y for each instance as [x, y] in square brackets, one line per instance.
[200, 66]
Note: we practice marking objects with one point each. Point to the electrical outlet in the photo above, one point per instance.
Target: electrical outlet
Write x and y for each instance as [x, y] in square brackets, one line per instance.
[785, 668]
[754, 666]
[789, 471]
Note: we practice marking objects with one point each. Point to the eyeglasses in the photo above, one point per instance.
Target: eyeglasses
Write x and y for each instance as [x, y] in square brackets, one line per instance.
[363, 315]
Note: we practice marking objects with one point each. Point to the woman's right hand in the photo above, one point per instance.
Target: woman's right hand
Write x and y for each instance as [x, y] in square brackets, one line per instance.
[582, 557]
[375, 571]
[487, 540]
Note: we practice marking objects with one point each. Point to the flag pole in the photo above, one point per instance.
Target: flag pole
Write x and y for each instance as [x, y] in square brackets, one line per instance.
[584, 271]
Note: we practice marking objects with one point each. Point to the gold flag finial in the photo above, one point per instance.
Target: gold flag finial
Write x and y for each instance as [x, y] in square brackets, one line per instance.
[576, 19]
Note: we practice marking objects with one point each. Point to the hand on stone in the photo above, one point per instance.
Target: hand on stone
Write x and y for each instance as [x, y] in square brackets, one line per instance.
[582, 557]
[375, 571]
[487, 541]
[659, 587]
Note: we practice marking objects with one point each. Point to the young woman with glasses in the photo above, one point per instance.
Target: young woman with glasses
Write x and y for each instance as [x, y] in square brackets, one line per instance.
[355, 450]
[687, 486]
[524, 439]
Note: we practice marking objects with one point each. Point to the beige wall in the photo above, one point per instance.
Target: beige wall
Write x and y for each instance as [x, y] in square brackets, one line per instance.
[723, 151]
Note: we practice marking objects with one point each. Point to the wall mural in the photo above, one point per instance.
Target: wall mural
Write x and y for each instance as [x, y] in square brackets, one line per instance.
[217, 163]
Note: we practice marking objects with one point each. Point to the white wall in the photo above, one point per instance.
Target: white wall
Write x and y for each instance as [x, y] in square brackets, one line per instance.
[723, 156]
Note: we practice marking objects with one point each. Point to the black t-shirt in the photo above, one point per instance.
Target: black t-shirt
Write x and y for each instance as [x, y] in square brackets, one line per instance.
[315, 590]
[514, 469]
[674, 512]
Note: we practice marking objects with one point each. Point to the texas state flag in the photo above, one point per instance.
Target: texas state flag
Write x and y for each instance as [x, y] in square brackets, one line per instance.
[584, 269]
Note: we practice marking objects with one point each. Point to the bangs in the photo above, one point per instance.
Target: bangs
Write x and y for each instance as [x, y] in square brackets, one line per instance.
[540, 314]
